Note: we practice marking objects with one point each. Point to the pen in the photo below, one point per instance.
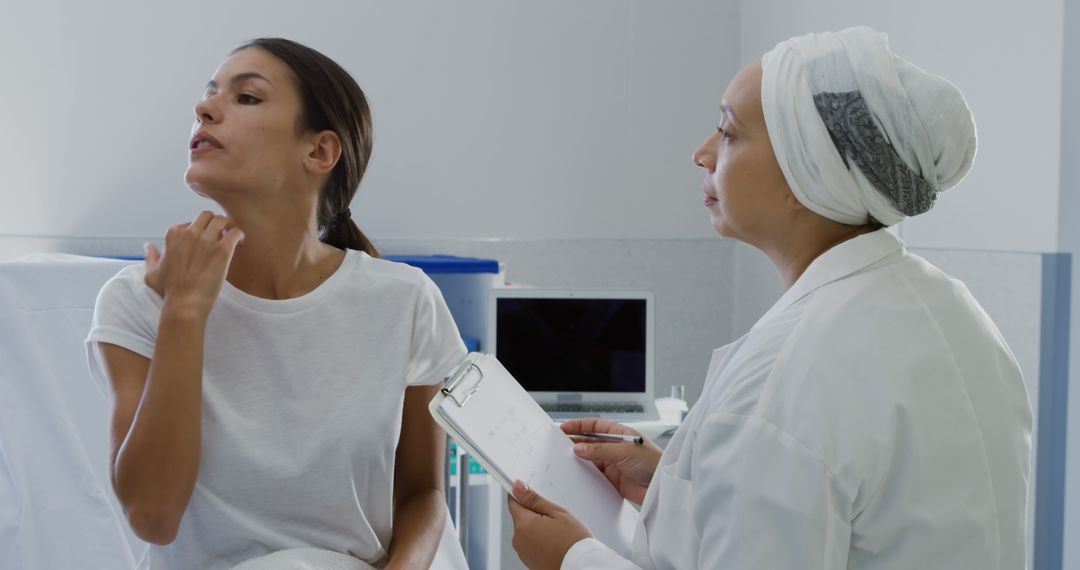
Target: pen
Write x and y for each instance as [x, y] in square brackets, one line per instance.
[636, 439]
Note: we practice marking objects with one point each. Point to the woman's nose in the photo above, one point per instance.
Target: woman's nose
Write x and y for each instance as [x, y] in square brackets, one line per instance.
[705, 155]
[205, 112]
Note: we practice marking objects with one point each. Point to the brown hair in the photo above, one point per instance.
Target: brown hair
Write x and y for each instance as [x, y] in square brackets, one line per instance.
[331, 100]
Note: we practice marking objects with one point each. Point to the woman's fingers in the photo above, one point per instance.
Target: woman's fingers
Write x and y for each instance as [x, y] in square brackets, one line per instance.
[232, 238]
[153, 268]
[200, 223]
[216, 228]
[153, 257]
[200, 253]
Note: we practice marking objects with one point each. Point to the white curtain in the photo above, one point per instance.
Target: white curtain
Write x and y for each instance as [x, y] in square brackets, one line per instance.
[57, 509]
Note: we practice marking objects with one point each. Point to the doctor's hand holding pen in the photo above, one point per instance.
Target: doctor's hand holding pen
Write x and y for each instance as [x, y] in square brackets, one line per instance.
[630, 467]
[545, 531]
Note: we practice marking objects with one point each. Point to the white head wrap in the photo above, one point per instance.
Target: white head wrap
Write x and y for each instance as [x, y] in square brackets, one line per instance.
[860, 133]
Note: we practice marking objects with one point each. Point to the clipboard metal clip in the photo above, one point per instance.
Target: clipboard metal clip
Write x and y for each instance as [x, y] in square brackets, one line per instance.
[455, 379]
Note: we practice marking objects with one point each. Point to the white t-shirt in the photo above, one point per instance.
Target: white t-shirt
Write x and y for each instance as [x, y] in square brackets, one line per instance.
[302, 407]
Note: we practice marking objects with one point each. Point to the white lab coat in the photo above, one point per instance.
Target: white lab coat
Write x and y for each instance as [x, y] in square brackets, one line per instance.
[873, 418]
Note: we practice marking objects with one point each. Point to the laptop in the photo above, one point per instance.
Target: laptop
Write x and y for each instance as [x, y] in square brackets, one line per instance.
[578, 353]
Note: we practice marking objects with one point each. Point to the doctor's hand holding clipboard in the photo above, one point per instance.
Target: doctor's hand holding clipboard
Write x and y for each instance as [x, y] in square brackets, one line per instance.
[545, 531]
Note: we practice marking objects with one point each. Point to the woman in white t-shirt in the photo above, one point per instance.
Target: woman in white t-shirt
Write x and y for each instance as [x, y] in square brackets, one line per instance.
[269, 373]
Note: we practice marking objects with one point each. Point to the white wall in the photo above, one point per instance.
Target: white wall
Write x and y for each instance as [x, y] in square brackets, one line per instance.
[1070, 242]
[1006, 57]
[556, 119]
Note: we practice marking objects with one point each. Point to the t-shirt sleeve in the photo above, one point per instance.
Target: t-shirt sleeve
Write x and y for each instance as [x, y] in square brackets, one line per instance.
[761, 499]
[127, 313]
[436, 344]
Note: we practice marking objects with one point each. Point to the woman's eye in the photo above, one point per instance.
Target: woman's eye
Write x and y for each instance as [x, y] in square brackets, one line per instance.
[245, 99]
[723, 133]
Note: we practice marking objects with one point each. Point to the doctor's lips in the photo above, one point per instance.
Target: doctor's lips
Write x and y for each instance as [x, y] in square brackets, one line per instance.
[203, 142]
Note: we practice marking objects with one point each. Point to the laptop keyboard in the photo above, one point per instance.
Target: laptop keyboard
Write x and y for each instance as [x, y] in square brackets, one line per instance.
[599, 407]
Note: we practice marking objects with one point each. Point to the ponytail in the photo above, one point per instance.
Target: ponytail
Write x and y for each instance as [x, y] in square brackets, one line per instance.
[343, 233]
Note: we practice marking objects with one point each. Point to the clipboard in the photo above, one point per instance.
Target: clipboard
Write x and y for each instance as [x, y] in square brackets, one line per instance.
[501, 426]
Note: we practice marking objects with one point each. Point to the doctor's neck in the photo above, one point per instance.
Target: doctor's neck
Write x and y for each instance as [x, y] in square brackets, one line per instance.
[794, 251]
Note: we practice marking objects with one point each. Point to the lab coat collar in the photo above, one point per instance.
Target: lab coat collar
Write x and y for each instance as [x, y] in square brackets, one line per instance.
[841, 261]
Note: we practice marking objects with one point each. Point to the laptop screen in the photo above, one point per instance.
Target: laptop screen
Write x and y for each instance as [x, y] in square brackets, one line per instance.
[573, 345]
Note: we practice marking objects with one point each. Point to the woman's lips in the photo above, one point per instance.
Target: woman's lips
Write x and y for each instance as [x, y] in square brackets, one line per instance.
[203, 149]
[203, 142]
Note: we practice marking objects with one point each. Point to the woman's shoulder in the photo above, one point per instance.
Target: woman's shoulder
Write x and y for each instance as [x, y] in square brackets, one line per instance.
[128, 282]
[382, 271]
[130, 274]
[127, 311]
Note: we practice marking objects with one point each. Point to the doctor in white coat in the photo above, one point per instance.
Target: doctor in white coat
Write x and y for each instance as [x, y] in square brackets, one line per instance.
[874, 417]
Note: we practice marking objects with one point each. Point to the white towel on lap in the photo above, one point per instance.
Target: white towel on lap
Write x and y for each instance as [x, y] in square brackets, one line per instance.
[304, 559]
[448, 556]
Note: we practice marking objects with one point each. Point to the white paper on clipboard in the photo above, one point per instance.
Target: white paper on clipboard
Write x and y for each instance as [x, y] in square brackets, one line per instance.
[497, 422]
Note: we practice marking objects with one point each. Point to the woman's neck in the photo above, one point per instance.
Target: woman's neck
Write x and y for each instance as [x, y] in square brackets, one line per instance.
[793, 252]
[279, 257]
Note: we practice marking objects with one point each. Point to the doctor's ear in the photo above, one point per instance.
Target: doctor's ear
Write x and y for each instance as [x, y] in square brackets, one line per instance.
[324, 152]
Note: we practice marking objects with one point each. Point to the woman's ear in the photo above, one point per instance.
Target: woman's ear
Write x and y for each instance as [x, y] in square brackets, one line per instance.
[324, 152]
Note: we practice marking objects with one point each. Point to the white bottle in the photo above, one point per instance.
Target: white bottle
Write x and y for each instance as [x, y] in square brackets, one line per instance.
[673, 409]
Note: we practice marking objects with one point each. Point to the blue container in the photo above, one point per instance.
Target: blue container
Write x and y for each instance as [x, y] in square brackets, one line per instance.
[464, 283]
